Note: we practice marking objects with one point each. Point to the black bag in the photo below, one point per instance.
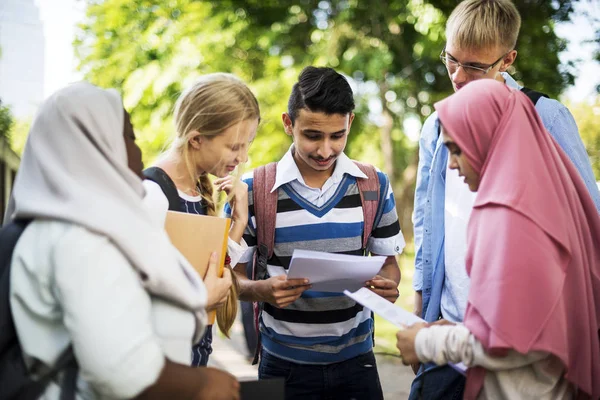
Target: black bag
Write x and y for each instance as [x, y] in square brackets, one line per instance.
[15, 380]
[167, 185]
[533, 95]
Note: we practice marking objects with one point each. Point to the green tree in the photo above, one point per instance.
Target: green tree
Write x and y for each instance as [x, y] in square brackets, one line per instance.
[587, 115]
[6, 122]
[19, 133]
[151, 49]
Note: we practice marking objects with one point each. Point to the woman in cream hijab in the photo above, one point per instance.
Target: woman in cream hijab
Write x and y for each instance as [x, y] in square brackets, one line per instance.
[92, 270]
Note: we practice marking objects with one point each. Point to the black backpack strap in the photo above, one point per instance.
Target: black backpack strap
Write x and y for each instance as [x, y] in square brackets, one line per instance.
[167, 185]
[9, 235]
[11, 356]
[533, 95]
[67, 364]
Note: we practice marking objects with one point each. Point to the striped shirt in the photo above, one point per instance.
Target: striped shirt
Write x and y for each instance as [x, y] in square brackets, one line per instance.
[320, 327]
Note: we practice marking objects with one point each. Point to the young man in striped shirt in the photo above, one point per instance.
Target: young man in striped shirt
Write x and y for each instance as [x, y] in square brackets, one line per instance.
[321, 343]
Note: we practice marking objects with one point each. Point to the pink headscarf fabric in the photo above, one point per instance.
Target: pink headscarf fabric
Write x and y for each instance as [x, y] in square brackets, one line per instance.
[533, 238]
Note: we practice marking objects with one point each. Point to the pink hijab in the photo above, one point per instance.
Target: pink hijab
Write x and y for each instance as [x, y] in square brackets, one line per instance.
[533, 238]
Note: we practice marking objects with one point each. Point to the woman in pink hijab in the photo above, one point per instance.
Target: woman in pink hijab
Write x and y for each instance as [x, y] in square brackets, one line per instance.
[531, 325]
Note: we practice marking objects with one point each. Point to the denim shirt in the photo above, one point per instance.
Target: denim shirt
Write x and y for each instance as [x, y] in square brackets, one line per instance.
[428, 216]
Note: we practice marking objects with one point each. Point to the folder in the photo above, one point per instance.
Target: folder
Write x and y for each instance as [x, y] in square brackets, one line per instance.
[196, 237]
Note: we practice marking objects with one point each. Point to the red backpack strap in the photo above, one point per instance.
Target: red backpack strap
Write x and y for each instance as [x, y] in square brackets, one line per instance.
[369, 197]
[265, 213]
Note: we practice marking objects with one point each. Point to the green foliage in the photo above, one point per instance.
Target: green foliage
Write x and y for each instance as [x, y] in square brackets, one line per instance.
[151, 49]
[18, 135]
[6, 121]
[587, 116]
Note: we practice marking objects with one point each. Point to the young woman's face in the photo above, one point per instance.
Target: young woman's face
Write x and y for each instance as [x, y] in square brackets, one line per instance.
[134, 154]
[457, 160]
[220, 155]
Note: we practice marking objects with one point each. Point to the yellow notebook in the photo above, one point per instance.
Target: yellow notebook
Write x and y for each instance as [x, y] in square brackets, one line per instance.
[196, 237]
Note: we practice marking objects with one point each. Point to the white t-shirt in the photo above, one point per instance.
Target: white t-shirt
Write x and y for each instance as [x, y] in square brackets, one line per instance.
[457, 209]
[72, 286]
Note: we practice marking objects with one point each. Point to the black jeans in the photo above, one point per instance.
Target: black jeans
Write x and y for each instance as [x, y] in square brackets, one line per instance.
[435, 382]
[354, 379]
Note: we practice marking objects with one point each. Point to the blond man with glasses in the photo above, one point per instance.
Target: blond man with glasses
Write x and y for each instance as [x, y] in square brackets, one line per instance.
[481, 44]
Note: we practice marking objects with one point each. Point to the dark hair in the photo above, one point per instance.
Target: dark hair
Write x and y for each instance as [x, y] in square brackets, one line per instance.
[321, 90]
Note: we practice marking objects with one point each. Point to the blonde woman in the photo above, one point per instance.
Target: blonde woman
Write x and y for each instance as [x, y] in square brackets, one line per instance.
[215, 121]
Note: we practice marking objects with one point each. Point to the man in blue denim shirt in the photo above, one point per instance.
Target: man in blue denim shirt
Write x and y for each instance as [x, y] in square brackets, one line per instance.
[475, 49]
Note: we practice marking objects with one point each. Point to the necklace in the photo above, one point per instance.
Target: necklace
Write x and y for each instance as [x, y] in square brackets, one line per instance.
[191, 192]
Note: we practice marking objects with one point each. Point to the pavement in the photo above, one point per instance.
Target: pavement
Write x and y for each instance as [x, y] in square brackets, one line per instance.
[233, 356]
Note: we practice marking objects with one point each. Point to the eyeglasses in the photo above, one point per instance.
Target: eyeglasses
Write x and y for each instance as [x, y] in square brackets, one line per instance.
[453, 65]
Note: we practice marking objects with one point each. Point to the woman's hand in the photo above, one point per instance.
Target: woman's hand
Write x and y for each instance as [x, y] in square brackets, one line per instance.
[405, 342]
[217, 287]
[237, 191]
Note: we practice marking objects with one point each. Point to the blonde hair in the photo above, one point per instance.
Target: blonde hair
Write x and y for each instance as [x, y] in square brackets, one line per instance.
[479, 24]
[212, 104]
[208, 107]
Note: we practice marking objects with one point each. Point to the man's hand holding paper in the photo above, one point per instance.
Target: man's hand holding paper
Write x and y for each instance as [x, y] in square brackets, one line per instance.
[384, 287]
[282, 292]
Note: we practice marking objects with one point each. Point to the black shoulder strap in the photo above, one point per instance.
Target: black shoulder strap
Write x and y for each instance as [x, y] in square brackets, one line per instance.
[9, 235]
[533, 95]
[167, 185]
[13, 368]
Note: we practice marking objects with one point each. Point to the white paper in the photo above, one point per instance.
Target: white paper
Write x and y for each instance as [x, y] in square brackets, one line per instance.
[396, 315]
[330, 272]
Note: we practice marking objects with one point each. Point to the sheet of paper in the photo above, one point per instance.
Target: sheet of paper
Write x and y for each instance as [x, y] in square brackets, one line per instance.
[329, 272]
[396, 315]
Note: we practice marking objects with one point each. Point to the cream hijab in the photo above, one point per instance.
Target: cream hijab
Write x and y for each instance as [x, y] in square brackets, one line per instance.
[75, 169]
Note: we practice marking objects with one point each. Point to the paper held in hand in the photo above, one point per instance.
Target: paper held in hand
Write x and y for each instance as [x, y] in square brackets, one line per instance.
[196, 237]
[396, 315]
[330, 272]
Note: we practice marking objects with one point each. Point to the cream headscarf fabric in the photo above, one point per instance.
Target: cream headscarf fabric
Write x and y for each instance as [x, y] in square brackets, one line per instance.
[75, 169]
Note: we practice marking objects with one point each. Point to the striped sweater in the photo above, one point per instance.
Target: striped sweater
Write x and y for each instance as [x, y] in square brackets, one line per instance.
[320, 327]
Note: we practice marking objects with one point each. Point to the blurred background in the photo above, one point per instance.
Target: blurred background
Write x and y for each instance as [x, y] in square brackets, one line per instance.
[150, 50]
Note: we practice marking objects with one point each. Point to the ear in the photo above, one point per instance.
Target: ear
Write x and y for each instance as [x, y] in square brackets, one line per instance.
[195, 140]
[350, 121]
[287, 124]
[509, 59]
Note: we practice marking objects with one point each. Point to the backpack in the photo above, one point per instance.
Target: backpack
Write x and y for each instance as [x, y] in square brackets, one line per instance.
[372, 193]
[160, 177]
[533, 95]
[15, 380]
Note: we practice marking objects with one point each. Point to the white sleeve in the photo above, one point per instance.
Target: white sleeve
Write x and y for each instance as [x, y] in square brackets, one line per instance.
[155, 202]
[108, 316]
[455, 343]
[235, 250]
[247, 256]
